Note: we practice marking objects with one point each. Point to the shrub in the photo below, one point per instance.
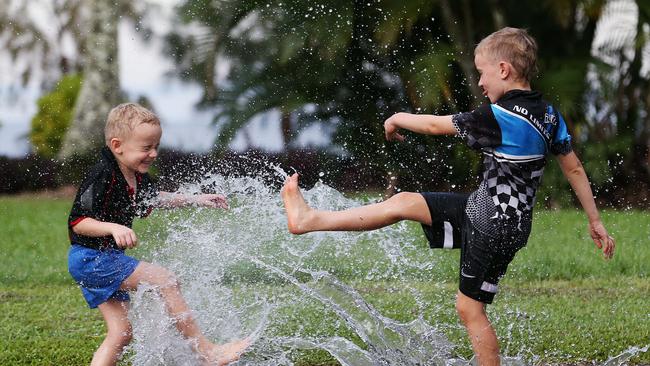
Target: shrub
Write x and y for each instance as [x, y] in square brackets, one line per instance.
[55, 112]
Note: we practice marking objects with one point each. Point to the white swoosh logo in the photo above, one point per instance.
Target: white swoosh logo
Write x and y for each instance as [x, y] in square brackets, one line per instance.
[466, 275]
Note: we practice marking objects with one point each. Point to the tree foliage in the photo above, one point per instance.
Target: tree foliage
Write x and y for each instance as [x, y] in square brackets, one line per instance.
[55, 110]
[48, 51]
[101, 88]
[347, 65]
[78, 35]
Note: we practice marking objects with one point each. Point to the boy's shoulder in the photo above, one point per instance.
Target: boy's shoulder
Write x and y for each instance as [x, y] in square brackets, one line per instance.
[101, 172]
[526, 104]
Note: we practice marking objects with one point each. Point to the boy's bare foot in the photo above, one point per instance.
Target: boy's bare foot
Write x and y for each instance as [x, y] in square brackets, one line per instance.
[221, 355]
[295, 205]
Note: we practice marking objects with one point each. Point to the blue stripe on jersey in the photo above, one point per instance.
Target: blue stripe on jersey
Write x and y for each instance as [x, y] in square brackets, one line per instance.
[562, 133]
[518, 136]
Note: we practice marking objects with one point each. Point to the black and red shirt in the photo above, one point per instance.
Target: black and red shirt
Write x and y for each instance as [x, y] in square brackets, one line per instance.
[104, 195]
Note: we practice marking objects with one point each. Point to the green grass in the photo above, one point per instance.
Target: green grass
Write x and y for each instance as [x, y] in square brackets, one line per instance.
[560, 300]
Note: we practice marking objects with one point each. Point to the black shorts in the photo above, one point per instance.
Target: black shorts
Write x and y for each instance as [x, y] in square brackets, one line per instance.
[483, 259]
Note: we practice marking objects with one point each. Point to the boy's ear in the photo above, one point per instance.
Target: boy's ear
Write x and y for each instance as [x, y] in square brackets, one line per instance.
[505, 69]
[116, 145]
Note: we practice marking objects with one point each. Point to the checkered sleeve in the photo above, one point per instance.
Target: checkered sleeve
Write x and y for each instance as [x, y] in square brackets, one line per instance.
[479, 128]
[561, 143]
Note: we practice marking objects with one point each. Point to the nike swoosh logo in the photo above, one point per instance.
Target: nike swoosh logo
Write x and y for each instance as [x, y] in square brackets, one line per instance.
[466, 275]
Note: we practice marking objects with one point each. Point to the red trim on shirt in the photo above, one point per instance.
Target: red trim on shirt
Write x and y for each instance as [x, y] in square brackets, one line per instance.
[78, 220]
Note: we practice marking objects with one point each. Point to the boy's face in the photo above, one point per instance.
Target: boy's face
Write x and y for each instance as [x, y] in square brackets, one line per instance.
[493, 75]
[139, 150]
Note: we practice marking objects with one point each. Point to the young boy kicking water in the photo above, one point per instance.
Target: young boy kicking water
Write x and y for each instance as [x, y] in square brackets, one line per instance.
[515, 133]
[116, 190]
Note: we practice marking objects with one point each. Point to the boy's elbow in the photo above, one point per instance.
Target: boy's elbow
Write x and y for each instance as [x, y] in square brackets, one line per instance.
[77, 224]
[75, 229]
[576, 171]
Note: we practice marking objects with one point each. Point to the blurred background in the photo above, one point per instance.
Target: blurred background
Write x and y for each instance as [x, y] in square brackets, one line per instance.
[243, 85]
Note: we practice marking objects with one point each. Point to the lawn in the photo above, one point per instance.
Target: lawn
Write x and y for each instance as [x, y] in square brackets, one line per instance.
[560, 303]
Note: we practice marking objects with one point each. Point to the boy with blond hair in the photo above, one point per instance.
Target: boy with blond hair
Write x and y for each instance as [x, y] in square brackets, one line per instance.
[515, 133]
[116, 190]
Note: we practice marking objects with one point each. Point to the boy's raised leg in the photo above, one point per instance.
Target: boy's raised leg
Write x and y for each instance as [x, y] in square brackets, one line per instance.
[118, 333]
[303, 219]
[167, 284]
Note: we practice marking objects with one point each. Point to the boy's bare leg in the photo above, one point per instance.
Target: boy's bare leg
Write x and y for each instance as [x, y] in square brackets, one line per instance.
[480, 330]
[118, 333]
[177, 308]
[303, 219]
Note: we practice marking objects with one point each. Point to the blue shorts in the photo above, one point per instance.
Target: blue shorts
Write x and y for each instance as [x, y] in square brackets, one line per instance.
[100, 273]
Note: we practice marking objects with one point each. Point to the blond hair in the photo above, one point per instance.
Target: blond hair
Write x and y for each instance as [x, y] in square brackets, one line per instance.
[123, 118]
[513, 45]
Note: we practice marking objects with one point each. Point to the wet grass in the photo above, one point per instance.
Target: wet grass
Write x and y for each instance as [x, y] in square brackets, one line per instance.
[559, 301]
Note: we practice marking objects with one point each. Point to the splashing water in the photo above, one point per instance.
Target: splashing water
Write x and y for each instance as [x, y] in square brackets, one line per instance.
[243, 273]
[389, 342]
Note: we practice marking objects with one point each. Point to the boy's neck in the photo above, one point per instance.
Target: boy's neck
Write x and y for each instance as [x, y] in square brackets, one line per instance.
[518, 85]
[129, 175]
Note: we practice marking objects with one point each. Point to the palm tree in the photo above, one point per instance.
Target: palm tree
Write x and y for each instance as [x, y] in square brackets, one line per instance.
[351, 65]
[343, 63]
[259, 85]
[271, 43]
[90, 27]
[100, 89]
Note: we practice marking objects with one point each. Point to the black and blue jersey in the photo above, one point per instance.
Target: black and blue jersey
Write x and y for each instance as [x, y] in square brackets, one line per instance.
[515, 134]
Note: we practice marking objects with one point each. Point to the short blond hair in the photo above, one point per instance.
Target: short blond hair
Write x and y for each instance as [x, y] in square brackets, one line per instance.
[122, 119]
[513, 45]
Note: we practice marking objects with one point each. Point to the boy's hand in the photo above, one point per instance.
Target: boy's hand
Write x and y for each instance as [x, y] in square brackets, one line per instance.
[601, 238]
[212, 201]
[124, 236]
[391, 130]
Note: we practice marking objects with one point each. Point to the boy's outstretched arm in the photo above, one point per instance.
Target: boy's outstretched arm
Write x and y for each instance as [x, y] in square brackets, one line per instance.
[173, 200]
[575, 174]
[426, 124]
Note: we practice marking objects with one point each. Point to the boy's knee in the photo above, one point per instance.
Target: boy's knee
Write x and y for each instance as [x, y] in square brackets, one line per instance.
[469, 310]
[121, 336]
[168, 279]
[399, 202]
[127, 336]
[163, 278]
[402, 197]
